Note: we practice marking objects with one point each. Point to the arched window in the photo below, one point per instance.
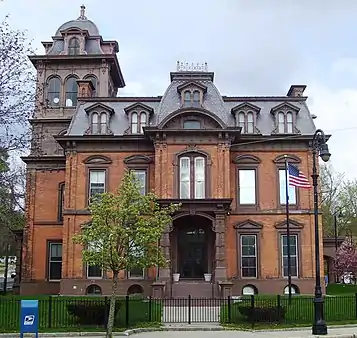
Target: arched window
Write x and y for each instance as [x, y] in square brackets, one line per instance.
[250, 123]
[192, 176]
[93, 290]
[53, 91]
[134, 123]
[143, 121]
[196, 98]
[187, 99]
[281, 123]
[93, 79]
[249, 290]
[103, 123]
[289, 123]
[191, 124]
[73, 47]
[71, 91]
[95, 123]
[241, 121]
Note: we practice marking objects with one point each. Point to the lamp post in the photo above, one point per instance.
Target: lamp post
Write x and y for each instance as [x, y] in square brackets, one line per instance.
[319, 148]
[336, 214]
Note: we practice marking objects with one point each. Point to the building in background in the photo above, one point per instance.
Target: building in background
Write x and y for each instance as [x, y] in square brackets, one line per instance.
[222, 157]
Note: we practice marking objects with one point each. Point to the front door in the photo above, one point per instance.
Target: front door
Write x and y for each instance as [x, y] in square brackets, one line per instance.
[192, 249]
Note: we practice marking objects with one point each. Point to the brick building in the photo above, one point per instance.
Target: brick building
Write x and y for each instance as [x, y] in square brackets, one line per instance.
[222, 157]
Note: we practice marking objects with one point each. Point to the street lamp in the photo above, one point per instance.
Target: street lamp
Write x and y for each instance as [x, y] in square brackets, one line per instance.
[336, 214]
[319, 148]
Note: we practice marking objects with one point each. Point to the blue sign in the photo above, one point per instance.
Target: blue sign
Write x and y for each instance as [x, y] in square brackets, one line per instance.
[29, 317]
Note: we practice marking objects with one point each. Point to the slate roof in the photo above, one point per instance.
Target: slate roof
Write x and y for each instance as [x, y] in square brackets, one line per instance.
[213, 101]
[88, 25]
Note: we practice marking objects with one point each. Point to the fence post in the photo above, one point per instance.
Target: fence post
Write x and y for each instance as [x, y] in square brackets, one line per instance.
[278, 303]
[252, 305]
[49, 312]
[150, 305]
[106, 312]
[127, 311]
[229, 310]
[189, 309]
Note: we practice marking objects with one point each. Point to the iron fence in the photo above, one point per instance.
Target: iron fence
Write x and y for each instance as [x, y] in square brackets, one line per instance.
[56, 312]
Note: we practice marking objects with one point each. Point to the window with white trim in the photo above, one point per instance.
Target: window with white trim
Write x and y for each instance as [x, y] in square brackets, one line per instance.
[136, 272]
[96, 182]
[192, 177]
[282, 190]
[248, 256]
[54, 261]
[247, 187]
[94, 271]
[140, 175]
[294, 257]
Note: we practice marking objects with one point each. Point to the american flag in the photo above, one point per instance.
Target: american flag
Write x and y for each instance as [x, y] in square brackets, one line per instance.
[297, 178]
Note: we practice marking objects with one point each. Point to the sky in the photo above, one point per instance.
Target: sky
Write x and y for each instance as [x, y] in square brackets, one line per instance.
[255, 47]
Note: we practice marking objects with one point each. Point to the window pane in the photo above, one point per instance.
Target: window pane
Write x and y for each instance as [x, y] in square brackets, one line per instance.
[247, 185]
[55, 251]
[199, 177]
[94, 271]
[55, 261]
[136, 273]
[141, 177]
[250, 123]
[54, 92]
[196, 98]
[96, 182]
[241, 120]
[248, 256]
[55, 271]
[71, 91]
[187, 99]
[192, 125]
[142, 121]
[73, 48]
[103, 123]
[134, 123]
[184, 177]
[293, 255]
[289, 123]
[282, 189]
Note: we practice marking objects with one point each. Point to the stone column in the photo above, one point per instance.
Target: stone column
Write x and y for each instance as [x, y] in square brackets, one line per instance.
[164, 272]
[220, 230]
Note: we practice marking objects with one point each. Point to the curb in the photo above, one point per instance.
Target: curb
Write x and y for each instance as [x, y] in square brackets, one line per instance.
[173, 328]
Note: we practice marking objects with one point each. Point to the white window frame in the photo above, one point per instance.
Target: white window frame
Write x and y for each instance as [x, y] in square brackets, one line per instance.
[142, 276]
[291, 255]
[91, 171]
[245, 256]
[281, 123]
[88, 266]
[282, 187]
[241, 184]
[199, 180]
[144, 188]
[289, 123]
[182, 159]
[50, 261]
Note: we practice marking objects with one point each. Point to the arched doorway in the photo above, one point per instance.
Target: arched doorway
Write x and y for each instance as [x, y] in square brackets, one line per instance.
[194, 241]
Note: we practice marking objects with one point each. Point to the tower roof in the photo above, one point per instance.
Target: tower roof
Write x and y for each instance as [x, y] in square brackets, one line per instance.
[81, 23]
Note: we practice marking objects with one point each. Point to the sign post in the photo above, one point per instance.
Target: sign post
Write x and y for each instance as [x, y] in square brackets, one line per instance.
[29, 317]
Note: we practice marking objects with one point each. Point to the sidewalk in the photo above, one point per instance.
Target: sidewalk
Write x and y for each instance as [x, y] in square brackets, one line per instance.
[205, 332]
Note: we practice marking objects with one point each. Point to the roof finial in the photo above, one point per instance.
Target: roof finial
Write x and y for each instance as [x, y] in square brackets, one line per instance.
[82, 15]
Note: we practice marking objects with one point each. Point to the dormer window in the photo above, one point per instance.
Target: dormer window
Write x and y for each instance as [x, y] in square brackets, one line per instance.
[191, 94]
[246, 118]
[139, 116]
[74, 47]
[99, 123]
[285, 119]
[99, 119]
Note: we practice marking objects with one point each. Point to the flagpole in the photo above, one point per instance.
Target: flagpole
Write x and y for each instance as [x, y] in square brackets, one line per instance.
[287, 225]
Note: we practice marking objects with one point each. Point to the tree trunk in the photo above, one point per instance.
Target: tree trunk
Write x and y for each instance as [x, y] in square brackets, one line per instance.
[112, 305]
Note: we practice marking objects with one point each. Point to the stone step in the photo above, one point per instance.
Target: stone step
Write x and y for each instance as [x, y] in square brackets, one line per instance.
[195, 289]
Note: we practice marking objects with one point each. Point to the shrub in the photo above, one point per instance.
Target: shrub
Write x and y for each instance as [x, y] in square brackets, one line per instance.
[341, 289]
[263, 314]
[90, 312]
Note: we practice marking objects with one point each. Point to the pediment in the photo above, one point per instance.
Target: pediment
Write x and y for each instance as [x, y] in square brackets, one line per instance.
[138, 159]
[249, 225]
[192, 84]
[99, 107]
[292, 225]
[247, 159]
[285, 107]
[246, 106]
[289, 158]
[97, 159]
[138, 106]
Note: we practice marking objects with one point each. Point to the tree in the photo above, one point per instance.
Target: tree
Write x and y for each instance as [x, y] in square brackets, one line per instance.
[17, 88]
[346, 258]
[124, 232]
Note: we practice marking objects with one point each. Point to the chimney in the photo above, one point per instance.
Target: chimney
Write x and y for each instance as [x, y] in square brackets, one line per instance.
[296, 91]
[85, 88]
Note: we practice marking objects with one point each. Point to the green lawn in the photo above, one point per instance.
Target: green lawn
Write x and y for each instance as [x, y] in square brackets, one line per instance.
[54, 315]
[338, 309]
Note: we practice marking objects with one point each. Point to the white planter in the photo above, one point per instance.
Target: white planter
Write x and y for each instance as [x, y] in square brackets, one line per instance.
[208, 277]
[176, 277]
